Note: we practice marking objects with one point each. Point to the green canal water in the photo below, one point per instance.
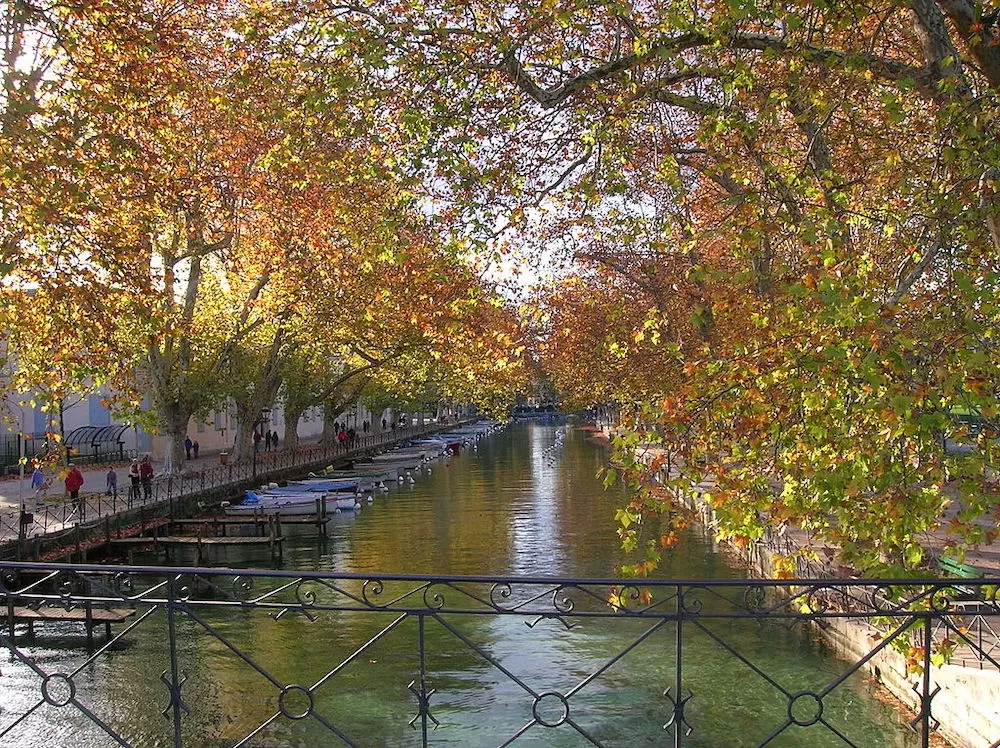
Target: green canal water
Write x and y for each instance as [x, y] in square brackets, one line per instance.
[511, 506]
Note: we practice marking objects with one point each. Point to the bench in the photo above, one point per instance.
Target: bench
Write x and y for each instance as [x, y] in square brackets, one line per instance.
[962, 571]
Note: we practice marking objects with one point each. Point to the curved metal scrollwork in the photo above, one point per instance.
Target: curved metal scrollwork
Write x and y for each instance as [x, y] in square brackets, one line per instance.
[67, 584]
[242, 586]
[561, 601]
[433, 598]
[818, 599]
[123, 583]
[501, 592]
[688, 601]
[941, 598]
[182, 587]
[305, 595]
[370, 592]
[10, 580]
[881, 600]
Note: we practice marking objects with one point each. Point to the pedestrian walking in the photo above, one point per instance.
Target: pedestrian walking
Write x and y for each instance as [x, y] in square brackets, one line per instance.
[267, 440]
[188, 446]
[274, 440]
[74, 482]
[111, 480]
[146, 478]
[256, 441]
[134, 478]
[196, 447]
[38, 482]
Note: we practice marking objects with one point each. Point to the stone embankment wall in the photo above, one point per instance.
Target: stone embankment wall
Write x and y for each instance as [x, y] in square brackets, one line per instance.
[967, 706]
[80, 543]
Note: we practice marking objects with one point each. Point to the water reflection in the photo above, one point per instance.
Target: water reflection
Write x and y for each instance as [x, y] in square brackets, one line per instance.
[502, 509]
[537, 548]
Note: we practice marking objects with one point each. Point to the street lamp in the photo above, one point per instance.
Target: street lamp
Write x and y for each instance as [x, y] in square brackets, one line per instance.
[264, 417]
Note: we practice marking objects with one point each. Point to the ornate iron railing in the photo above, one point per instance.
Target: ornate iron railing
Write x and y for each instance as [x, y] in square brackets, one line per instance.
[231, 657]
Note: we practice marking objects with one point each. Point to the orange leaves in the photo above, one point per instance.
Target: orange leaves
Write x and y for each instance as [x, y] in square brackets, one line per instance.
[669, 404]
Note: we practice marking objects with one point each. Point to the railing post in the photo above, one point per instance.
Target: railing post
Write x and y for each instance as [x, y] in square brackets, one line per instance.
[174, 684]
[422, 696]
[679, 671]
[925, 686]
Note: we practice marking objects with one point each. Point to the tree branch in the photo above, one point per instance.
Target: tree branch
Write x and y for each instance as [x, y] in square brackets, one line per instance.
[980, 34]
[551, 97]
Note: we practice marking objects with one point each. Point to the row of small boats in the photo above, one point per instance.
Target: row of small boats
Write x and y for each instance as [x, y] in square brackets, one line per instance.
[337, 490]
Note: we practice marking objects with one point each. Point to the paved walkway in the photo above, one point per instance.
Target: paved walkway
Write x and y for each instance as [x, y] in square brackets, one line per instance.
[985, 557]
[52, 512]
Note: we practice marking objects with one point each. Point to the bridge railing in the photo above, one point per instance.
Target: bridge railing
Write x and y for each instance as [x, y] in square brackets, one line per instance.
[205, 656]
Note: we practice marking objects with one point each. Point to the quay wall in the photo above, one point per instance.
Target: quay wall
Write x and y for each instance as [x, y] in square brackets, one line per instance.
[967, 706]
[73, 544]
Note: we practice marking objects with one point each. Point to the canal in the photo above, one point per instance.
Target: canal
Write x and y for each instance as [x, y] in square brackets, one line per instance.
[515, 504]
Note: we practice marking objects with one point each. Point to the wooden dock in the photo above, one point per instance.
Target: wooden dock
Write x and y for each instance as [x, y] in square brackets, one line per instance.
[196, 540]
[273, 541]
[88, 615]
[219, 524]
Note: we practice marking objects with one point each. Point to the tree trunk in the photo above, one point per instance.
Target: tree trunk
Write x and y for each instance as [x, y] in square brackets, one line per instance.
[330, 413]
[175, 419]
[291, 437]
[243, 436]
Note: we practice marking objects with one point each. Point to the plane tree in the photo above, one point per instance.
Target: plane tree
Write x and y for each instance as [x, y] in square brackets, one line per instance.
[812, 191]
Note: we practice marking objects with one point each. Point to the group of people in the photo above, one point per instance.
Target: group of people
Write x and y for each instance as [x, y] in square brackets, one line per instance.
[140, 474]
[270, 439]
[191, 447]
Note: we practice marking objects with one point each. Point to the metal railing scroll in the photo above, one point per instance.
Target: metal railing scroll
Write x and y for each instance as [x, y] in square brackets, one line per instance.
[206, 656]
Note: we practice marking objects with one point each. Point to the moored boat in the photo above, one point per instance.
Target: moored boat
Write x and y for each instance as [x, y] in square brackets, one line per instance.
[291, 504]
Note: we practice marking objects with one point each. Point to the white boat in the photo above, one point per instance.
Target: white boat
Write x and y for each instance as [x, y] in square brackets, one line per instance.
[315, 485]
[290, 504]
[395, 464]
[417, 456]
[359, 474]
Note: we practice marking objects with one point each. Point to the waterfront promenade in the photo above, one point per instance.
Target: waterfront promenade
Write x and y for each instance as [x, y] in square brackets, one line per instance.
[984, 556]
[52, 512]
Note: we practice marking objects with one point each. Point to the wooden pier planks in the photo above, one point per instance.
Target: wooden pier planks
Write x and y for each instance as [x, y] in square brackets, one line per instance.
[88, 615]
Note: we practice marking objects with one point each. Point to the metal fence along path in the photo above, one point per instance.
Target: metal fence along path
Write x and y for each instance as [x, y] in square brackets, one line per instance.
[205, 657]
[54, 513]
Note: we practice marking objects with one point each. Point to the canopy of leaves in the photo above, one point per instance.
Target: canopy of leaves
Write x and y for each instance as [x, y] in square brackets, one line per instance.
[234, 202]
[780, 226]
[777, 225]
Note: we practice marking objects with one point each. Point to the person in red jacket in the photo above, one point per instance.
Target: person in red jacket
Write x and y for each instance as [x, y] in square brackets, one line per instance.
[74, 482]
[146, 477]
